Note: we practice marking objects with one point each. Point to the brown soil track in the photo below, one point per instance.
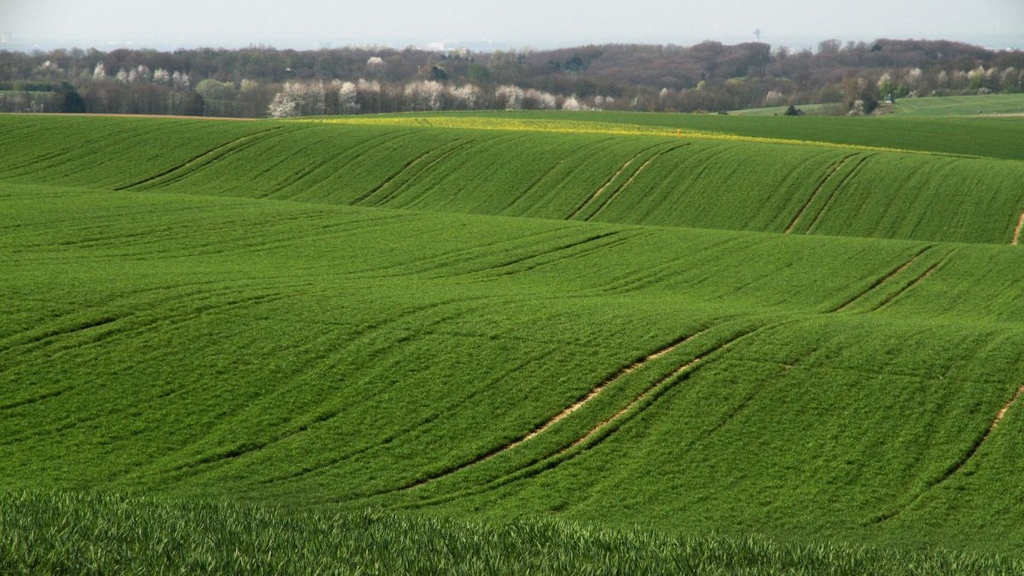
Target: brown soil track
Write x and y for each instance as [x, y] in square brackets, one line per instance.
[653, 388]
[1017, 230]
[593, 393]
[1006, 407]
[601, 387]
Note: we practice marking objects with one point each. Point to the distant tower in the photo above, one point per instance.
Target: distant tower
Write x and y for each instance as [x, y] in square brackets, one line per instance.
[5, 38]
[757, 34]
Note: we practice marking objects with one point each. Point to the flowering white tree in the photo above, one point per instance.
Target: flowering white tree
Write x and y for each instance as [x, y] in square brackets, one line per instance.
[465, 97]
[571, 104]
[914, 78]
[317, 97]
[960, 79]
[282, 106]
[371, 86]
[161, 76]
[977, 77]
[425, 95]
[511, 96]
[539, 100]
[181, 81]
[99, 73]
[375, 65]
[348, 96]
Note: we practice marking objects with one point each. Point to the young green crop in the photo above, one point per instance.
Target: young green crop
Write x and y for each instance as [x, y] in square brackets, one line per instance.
[497, 167]
[511, 325]
[103, 533]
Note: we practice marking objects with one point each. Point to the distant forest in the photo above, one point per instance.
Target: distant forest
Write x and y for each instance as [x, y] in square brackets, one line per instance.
[858, 78]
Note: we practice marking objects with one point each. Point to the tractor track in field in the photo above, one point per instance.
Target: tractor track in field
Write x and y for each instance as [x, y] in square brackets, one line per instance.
[920, 278]
[299, 175]
[443, 261]
[956, 466]
[882, 280]
[506, 268]
[594, 392]
[1017, 230]
[594, 435]
[562, 253]
[839, 186]
[408, 430]
[324, 415]
[175, 316]
[597, 193]
[33, 400]
[533, 185]
[181, 170]
[829, 173]
[441, 155]
[580, 403]
[632, 177]
[408, 165]
[651, 275]
[655, 391]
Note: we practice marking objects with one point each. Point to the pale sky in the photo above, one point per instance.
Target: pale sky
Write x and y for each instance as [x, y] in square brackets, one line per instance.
[522, 23]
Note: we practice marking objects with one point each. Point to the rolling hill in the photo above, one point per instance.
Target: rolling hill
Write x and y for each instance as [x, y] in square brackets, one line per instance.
[623, 321]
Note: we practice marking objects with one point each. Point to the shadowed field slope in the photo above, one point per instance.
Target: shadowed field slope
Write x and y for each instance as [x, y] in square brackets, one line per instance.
[179, 333]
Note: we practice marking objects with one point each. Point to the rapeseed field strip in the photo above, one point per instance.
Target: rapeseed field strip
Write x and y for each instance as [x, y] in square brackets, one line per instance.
[571, 127]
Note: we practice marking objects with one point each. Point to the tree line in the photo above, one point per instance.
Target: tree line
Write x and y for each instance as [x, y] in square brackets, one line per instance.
[262, 81]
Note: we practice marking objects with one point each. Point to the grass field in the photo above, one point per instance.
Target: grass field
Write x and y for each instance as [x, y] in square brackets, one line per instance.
[635, 342]
[948, 106]
[962, 105]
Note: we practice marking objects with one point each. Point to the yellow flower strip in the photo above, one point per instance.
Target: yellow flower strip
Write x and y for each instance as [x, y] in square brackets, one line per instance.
[572, 127]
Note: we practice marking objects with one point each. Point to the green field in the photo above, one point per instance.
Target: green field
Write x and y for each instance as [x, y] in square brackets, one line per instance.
[962, 105]
[827, 109]
[715, 339]
[948, 106]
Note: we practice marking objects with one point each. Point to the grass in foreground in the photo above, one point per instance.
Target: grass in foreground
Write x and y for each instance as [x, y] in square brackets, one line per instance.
[107, 534]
